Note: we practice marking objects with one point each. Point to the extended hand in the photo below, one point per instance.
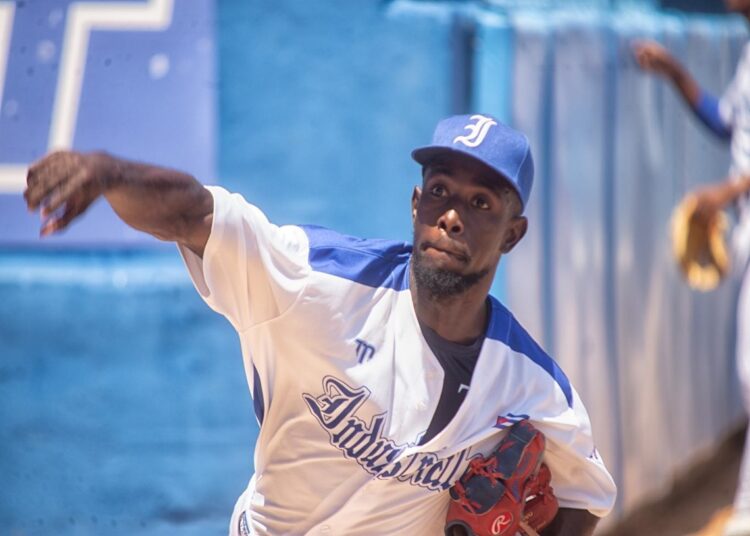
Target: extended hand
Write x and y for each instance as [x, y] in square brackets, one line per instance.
[713, 198]
[64, 184]
[653, 57]
[709, 202]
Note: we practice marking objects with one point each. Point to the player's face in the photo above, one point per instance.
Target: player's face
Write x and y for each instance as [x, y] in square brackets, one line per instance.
[465, 218]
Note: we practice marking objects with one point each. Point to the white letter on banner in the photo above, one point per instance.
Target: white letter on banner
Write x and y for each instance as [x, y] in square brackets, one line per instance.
[82, 19]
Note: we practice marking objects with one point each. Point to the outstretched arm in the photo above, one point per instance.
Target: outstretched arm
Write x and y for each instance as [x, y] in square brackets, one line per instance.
[571, 522]
[167, 204]
[653, 57]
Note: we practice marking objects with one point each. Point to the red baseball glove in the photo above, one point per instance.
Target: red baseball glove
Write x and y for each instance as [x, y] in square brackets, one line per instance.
[507, 493]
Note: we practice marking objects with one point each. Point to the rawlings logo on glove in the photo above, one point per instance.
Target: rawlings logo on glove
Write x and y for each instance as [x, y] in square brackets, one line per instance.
[506, 493]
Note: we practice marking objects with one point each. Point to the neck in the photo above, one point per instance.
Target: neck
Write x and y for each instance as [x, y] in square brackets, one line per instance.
[461, 318]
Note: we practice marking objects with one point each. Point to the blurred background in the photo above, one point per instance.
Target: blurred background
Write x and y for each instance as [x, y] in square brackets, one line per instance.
[123, 403]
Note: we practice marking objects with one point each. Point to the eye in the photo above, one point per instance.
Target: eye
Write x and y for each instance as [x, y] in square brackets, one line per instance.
[438, 190]
[480, 202]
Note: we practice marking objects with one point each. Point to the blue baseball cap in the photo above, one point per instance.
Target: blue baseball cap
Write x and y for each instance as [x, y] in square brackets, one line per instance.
[484, 138]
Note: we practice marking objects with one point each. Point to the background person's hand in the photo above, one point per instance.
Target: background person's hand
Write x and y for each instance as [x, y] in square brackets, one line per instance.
[709, 201]
[64, 184]
[653, 57]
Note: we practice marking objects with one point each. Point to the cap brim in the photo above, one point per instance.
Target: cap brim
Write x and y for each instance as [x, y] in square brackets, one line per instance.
[424, 155]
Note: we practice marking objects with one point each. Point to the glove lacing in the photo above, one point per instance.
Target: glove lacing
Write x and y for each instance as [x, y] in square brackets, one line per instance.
[477, 467]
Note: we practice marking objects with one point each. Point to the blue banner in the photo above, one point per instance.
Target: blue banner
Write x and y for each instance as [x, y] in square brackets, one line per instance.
[134, 78]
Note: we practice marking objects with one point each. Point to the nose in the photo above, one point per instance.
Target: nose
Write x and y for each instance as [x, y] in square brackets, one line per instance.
[450, 222]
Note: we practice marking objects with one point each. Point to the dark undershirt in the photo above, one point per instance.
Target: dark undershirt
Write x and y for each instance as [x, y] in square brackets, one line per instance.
[458, 362]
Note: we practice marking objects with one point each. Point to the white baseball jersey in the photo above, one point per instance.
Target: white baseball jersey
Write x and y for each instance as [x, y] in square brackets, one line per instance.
[734, 108]
[344, 385]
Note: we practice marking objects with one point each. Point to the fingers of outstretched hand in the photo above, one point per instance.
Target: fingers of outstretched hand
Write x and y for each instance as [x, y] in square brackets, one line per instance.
[645, 58]
[73, 190]
[61, 218]
[650, 55]
[47, 174]
[63, 186]
[56, 222]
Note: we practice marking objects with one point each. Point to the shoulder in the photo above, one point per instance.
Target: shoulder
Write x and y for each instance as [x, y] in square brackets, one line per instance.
[506, 329]
[370, 262]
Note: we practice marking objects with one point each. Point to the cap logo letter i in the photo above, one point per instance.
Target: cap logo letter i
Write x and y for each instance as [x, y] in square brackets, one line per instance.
[477, 131]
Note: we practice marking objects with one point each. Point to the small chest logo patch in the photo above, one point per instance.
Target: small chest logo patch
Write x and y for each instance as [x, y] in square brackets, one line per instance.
[364, 351]
[508, 420]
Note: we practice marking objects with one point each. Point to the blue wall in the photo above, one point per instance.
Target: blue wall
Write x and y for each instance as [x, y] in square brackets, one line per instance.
[321, 104]
[123, 404]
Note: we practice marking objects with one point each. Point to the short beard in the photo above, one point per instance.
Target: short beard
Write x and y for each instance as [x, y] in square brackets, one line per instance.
[439, 283]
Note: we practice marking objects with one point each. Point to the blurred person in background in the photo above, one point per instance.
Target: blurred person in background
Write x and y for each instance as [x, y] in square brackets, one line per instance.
[728, 118]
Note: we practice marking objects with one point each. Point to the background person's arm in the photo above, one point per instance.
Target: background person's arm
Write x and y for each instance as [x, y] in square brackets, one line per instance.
[165, 203]
[715, 197]
[652, 57]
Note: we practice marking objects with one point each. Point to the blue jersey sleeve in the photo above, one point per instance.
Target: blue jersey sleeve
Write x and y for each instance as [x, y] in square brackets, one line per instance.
[707, 110]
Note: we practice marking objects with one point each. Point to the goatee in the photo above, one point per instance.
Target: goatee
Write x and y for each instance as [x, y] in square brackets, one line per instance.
[439, 283]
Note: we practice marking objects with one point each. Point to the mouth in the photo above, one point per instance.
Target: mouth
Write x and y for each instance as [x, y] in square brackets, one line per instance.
[452, 252]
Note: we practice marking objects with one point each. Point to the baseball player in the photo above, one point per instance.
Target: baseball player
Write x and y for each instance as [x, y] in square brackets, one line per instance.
[378, 369]
[728, 117]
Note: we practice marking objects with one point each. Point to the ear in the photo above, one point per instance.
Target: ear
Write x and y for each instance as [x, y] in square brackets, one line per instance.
[415, 195]
[514, 233]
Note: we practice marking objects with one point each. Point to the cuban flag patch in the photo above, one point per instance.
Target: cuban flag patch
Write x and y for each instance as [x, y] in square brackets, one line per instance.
[508, 420]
